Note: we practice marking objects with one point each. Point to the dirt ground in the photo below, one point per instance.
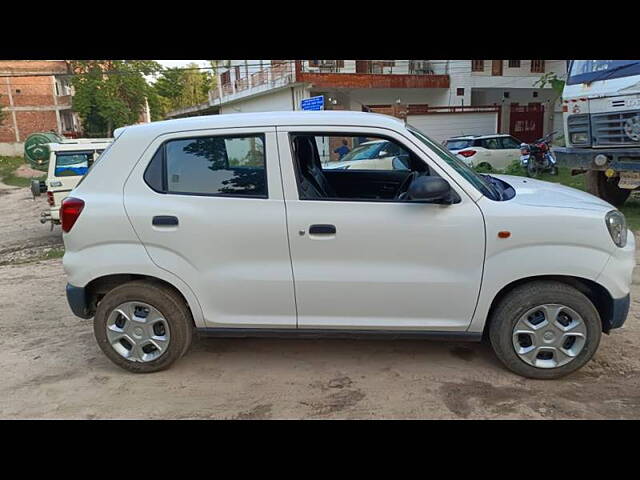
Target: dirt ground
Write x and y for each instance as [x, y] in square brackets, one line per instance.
[51, 366]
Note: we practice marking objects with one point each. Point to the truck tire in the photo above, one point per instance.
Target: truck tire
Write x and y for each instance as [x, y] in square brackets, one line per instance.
[143, 326]
[600, 186]
[545, 330]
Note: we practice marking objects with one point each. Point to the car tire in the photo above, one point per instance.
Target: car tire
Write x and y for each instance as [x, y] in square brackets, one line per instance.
[600, 186]
[506, 321]
[176, 323]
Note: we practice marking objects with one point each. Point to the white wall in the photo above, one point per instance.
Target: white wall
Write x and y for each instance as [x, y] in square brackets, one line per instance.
[12, 149]
[440, 126]
[274, 101]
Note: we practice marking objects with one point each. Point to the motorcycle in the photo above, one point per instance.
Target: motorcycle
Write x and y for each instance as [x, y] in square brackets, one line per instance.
[536, 157]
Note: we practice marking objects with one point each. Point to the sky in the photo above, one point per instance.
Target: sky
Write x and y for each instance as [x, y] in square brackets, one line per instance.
[181, 63]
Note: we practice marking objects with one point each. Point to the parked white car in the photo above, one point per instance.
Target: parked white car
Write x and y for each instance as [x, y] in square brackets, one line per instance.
[68, 163]
[227, 225]
[373, 155]
[496, 151]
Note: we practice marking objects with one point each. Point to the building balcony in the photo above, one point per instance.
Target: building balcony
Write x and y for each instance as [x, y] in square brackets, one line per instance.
[374, 73]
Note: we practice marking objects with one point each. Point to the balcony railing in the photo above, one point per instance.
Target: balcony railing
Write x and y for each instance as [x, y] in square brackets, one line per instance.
[279, 73]
[377, 67]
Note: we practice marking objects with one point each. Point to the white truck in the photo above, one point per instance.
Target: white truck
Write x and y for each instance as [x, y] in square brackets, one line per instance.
[601, 115]
[68, 162]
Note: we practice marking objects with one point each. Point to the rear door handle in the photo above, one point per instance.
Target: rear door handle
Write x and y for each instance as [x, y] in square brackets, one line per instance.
[164, 221]
[322, 229]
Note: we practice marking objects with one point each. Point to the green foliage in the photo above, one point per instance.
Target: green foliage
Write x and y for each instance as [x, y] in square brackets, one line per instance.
[110, 93]
[8, 166]
[179, 88]
[553, 80]
[514, 168]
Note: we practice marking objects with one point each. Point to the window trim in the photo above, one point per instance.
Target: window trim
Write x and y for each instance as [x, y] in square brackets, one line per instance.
[165, 190]
[297, 173]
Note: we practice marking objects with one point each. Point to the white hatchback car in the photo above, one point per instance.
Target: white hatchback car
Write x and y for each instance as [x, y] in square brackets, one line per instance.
[497, 151]
[229, 226]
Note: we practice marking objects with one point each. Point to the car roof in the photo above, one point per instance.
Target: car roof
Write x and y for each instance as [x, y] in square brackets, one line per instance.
[476, 137]
[259, 119]
[80, 147]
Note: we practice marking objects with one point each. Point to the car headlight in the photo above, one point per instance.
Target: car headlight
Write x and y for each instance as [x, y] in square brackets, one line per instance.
[617, 226]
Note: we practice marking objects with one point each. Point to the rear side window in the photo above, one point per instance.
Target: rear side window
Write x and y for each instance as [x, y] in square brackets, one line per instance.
[458, 144]
[216, 165]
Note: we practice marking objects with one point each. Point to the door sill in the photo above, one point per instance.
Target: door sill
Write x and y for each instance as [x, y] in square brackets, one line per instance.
[340, 333]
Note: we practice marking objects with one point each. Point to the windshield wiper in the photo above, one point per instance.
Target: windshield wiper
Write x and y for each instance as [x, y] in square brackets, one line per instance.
[493, 183]
[607, 73]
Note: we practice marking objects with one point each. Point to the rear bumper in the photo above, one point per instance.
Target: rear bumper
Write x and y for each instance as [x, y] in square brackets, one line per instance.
[77, 299]
[621, 159]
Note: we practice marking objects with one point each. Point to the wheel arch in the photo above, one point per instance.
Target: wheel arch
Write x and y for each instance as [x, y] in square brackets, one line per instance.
[97, 288]
[599, 296]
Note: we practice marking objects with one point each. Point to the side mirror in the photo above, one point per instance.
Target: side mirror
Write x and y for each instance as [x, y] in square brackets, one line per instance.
[431, 189]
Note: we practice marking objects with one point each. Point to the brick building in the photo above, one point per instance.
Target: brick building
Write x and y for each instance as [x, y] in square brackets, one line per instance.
[36, 97]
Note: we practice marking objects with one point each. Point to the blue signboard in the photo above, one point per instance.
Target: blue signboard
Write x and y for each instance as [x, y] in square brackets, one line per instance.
[313, 103]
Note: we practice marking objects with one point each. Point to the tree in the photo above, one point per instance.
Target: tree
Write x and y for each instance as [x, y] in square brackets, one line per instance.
[179, 88]
[553, 80]
[110, 93]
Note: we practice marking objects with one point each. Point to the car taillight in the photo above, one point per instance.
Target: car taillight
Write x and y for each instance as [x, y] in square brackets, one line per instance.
[69, 212]
[50, 200]
[467, 153]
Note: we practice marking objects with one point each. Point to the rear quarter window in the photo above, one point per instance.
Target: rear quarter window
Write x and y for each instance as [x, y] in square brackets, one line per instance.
[215, 165]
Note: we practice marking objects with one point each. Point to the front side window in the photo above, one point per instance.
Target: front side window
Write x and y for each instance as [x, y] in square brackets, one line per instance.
[214, 165]
[69, 164]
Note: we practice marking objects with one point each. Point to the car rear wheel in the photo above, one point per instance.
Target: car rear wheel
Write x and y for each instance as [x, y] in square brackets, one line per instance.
[545, 330]
[143, 326]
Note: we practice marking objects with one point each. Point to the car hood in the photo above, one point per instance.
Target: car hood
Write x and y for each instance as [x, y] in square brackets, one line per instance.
[546, 194]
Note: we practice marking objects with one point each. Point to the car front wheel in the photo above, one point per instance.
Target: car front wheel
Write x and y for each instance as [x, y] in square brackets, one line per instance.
[143, 326]
[545, 330]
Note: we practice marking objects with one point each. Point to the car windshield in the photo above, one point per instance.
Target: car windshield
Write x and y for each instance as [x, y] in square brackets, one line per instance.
[585, 71]
[458, 144]
[362, 152]
[72, 163]
[480, 183]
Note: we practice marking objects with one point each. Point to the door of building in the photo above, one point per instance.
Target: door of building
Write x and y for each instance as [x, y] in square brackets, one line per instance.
[526, 121]
[496, 67]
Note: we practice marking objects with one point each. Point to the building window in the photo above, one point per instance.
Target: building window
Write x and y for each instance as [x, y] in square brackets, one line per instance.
[537, 66]
[225, 77]
[505, 94]
[535, 94]
[477, 65]
[460, 92]
[514, 63]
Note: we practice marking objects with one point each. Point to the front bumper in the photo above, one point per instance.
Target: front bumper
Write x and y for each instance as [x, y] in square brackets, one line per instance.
[620, 159]
[619, 313]
[77, 299]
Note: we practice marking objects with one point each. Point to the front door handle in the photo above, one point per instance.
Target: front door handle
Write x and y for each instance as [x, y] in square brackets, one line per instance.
[165, 221]
[322, 229]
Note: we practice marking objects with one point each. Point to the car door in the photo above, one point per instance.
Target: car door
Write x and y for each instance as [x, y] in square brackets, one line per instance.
[381, 264]
[208, 206]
